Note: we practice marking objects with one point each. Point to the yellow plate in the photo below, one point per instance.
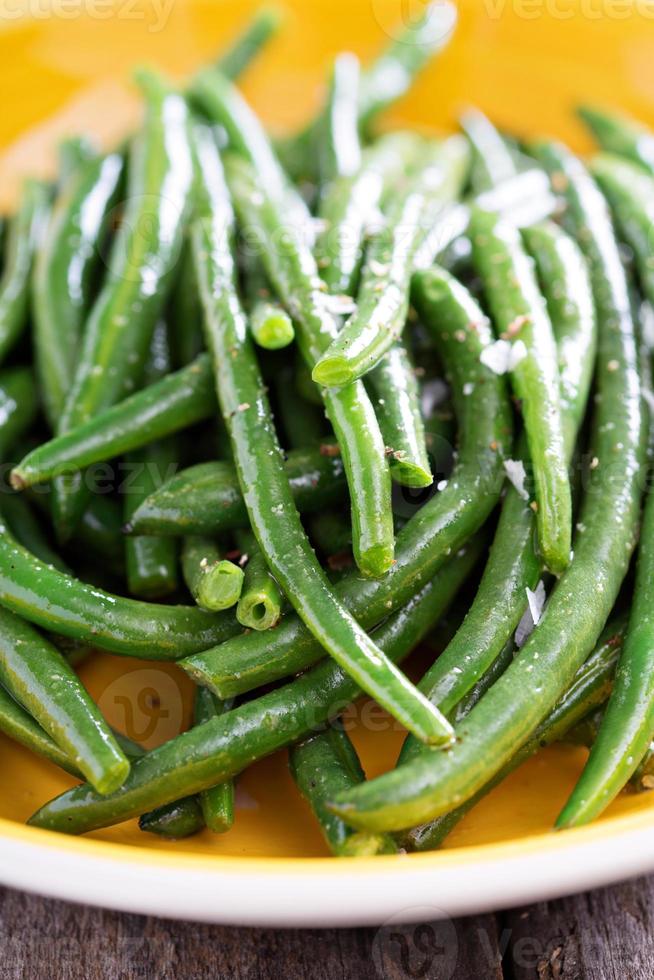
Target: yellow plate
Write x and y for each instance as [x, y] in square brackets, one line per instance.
[63, 69]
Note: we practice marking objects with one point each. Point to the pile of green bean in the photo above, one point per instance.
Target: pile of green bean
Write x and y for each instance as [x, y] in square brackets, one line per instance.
[270, 409]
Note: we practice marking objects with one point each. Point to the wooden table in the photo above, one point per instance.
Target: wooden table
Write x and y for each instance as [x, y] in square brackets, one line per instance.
[602, 935]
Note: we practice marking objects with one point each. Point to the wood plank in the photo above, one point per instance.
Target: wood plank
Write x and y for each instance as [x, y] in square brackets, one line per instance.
[44, 939]
[606, 934]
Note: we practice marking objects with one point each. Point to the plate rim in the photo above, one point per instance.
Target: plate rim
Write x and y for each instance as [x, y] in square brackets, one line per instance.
[323, 891]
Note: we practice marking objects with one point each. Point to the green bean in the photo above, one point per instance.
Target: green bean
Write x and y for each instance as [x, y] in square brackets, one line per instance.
[18, 407]
[176, 402]
[433, 533]
[266, 491]
[223, 104]
[302, 422]
[629, 192]
[620, 134]
[270, 325]
[384, 81]
[216, 802]
[99, 533]
[643, 778]
[396, 400]
[321, 765]
[151, 562]
[144, 252]
[392, 74]
[513, 565]
[292, 269]
[383, 297]
[25, 527]
[18, 724]
[58, 602]
[206, 498]
[492, 161]
[260, 603]
[224, 746]
[627, 727]
[42, 681]
[184, 314]
[590, 688]
[25, 232]
[339, 149]
[243, 50]
[520, 315]
[72, 153]
[349, 205]
[174, 821]
[583, 598]
[214, 582]
[66, 264]
[331, 532]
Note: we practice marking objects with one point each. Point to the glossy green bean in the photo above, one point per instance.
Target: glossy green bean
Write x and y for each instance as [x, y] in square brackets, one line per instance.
[18, 725]
[206, 498]
[396, 399]
[224, 746]
[292, 269]
[174, 821]
[339, 149]
[433, 533]
[243, 50]
[513, 565]
[349, 206]
[583, 598]
[492, 161]
[520, 315]
[184, 313]
[321, 765]
[66, 264]
[260, 603]
[383, 296]
[150, 561]
[214, 582]
[620, 134]
[176, 402]
[42, 681]
[265, 488]
[25, 232]
[629, 192]
[144, 253]
[64, 605]
[18, 407]
[270, 325]
[590, 688]
[216, 802]
[627, 728]
[25, 527]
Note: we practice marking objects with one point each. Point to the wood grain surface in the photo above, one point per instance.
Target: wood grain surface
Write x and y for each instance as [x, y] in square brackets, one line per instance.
[602, 935]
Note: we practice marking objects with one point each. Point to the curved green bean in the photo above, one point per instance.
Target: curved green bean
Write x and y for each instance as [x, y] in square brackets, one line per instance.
[321, 765]
[216, 802]
[519, 312]
[266, 491]
[175, 402]
[43, 682]
[206, 498]
[492, 161]
[383, 296]
[66, 264]
[144, 252]
[433, 533]
[58, 602]
[174, 821]
[25, 232]
[339, 149]
[243, 50]
[575, 615]
[620, 134]
[224, 746]
[292, 268]
[396, 399]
